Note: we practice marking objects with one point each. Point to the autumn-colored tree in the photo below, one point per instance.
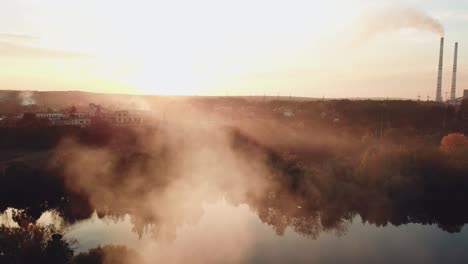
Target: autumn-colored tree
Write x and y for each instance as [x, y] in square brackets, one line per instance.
[454, 144]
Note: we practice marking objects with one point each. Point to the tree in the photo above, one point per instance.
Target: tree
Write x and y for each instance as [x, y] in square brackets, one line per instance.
[72, 109]
[33, 243]
[455, 144]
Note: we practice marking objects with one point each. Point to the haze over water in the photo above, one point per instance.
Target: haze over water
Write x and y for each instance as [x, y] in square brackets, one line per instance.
[224, 226]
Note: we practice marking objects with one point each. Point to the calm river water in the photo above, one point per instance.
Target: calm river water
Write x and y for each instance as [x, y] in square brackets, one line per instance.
[226, 233]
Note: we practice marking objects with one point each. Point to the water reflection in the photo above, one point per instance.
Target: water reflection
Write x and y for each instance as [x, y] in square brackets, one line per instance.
[308, 202]
[235, 234]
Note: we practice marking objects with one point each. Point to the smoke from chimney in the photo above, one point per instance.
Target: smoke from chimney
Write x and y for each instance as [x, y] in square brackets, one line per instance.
[397, 18]
[454, 76]
[439, 73]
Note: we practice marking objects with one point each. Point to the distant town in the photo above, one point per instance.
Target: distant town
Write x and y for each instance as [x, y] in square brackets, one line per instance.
[72, 117]
[72, 109]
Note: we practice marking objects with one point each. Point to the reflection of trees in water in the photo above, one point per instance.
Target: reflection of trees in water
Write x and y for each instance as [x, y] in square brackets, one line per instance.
[44, 244]
[309, 225]
[32, 243]
[308, 194]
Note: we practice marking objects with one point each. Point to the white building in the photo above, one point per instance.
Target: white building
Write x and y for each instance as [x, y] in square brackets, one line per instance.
[123, 118]
[77, 122]
[50, 116]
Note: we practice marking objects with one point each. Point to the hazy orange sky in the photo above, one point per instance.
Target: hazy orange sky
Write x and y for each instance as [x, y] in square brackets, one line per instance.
[214, 47]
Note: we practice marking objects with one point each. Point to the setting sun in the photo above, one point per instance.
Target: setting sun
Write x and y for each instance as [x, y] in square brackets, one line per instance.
[180, 47]
[208, 46]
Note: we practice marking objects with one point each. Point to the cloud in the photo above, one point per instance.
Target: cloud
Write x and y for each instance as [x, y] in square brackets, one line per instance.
[25, 46]
[17, 38]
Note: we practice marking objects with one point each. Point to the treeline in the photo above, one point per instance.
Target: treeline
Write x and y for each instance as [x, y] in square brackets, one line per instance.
[47, 137]
[424, 117]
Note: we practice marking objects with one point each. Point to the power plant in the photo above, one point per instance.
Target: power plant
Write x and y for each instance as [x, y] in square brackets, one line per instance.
[453, 92]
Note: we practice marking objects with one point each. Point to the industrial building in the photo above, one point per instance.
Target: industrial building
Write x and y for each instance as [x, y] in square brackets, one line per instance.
[453, 99]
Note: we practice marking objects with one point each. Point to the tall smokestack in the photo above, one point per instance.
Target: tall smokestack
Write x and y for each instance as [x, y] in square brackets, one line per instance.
[453, 92]
[439, 75]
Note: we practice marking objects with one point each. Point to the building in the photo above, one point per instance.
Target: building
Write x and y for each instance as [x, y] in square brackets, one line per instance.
[82, 122]
[50, 116]
[123, 118]
[79, 115]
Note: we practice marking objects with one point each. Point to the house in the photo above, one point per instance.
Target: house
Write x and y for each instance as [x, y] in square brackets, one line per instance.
[50, 116]
[82, 122]
[124, 118]
[79, 115]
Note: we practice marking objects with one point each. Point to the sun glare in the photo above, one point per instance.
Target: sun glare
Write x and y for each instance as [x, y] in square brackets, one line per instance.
[208, 47]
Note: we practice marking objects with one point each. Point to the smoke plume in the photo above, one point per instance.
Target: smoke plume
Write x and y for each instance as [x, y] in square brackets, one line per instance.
[396, 18]
[26, 98]
[165, 179]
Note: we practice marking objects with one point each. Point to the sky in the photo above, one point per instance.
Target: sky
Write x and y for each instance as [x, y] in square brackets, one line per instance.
[244, 47]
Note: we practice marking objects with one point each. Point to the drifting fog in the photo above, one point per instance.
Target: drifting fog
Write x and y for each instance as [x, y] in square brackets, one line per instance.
[167, 179]
[163, 179]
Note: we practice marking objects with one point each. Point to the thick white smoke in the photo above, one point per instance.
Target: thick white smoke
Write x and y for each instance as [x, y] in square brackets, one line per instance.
[382, 20]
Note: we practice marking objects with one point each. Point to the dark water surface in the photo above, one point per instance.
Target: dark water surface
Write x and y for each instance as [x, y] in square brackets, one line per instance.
[227, 233]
